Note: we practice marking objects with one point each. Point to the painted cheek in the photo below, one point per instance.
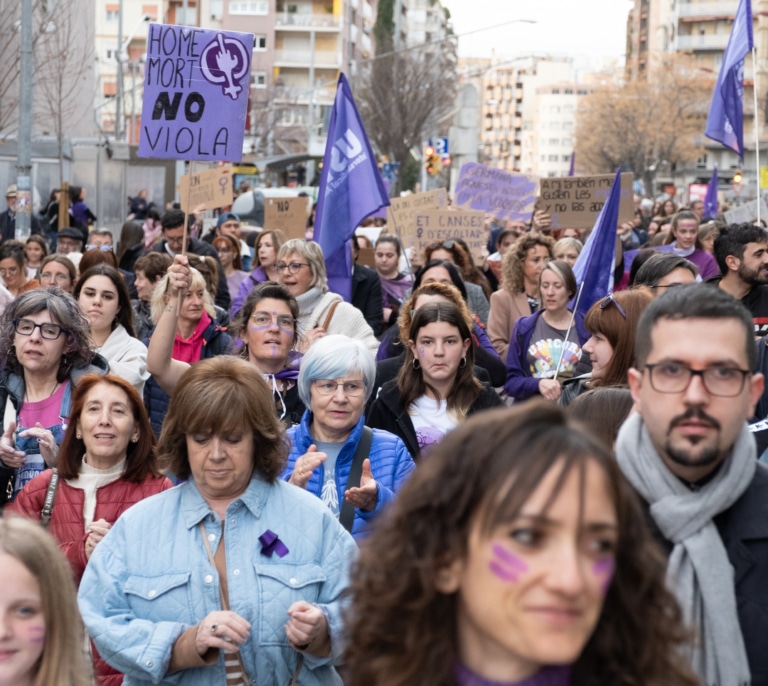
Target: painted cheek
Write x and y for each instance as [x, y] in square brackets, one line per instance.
[257, 328]
[603, 570]
[421, 352]
[505, 565]
[36, 634]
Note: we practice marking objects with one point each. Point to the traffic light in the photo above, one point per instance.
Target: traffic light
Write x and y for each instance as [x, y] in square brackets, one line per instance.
[737, 176]
[429, 155]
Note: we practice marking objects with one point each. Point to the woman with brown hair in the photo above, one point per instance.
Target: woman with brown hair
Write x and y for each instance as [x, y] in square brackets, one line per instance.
[516, 554]
[231, 262]
[519, 292]
[265, 251]
[436, 388]
[13, 268]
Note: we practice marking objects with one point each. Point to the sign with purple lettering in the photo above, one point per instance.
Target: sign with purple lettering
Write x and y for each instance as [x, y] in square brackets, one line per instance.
[503, 194]
[195, 93]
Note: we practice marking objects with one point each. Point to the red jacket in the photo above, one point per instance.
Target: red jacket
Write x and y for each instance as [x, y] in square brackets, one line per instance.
[68, 526]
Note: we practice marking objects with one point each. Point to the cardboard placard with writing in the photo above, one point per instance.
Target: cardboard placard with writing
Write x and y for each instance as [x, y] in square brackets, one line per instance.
[212, 188]
[742, 214]
[443, 225]
[503, 194]
[575, 201]
[287, 214]
[401, 214]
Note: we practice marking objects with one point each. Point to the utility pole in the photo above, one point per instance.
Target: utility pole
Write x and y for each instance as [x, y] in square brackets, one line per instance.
[119, 57]
[24, 165]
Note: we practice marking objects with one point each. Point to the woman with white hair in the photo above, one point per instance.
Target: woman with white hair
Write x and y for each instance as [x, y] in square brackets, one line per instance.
[355, 470]
[301, 267]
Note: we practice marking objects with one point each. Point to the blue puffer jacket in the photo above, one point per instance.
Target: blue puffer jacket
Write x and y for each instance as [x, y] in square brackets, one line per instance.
[216, 341]
[391, 463]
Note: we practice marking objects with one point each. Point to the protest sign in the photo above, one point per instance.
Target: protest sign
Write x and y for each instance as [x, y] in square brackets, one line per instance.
[195, 93]
[212, 188]
[745, 213]
[287, 214]
[500, 193]
[401, 215]
[443, 225]
[575, 201]
[366, 256]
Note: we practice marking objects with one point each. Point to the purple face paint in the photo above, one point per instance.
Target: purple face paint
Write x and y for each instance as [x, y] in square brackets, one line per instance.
[603, 570]
[36, 634]
[506, 565]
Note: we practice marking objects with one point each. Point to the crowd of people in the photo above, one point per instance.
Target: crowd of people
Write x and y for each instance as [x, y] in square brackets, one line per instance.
[455, 478]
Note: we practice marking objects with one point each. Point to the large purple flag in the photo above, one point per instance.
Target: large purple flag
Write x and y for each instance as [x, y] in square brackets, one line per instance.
[725, 123]
[595, 265]
[572, 168]
[710, 200]
[351, 189]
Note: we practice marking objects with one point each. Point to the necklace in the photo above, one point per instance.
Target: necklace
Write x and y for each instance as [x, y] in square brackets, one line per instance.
[28, 400]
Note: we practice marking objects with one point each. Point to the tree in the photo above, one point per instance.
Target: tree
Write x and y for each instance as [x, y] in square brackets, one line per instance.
[639, 123]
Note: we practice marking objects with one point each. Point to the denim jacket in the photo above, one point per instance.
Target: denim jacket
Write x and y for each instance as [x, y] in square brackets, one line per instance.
[150, 579]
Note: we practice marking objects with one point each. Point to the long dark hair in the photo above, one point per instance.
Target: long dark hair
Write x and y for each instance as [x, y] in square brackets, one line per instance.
[125, 313]
[482, 474]
[410, 381]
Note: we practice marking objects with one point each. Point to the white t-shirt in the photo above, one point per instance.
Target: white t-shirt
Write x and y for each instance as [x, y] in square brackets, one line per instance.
[431, 420]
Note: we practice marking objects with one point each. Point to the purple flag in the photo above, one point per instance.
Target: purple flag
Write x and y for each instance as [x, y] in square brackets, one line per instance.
[725, 123]
[195, 93]
[710, 200]
[351, 189]
[595, 265]
[572, 168]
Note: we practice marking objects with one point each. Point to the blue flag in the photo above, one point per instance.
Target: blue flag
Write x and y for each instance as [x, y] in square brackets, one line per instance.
[594, 268]
[725, 123]
[351, 188]
[710, 200]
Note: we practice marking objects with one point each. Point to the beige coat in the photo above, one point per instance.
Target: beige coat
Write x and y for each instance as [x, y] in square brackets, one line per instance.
[506, 309]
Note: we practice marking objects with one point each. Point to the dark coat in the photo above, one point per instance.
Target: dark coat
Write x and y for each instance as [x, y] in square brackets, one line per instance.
[8, 226]
[388, 413]
[366, 297]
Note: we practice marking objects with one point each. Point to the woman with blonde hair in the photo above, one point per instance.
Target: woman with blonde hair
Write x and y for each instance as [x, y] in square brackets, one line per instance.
[42, 638]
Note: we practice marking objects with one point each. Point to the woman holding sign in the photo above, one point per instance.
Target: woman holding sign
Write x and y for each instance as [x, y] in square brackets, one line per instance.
[546, 346]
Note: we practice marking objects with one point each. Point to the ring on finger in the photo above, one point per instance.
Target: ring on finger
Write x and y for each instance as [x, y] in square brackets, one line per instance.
[213, 628]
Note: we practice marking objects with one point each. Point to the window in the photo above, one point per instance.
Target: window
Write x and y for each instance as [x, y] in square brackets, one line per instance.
[110, 53]
[552, 158]
[151, 10]
[249, 6]
[259, 42]
[554, 125]
[569, 91]
[566, 158]
[259, 79]
[554, 141]
[113, 12]
[567, 125]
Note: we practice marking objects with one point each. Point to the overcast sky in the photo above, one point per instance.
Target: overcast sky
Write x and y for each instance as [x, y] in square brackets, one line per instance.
[579, 28]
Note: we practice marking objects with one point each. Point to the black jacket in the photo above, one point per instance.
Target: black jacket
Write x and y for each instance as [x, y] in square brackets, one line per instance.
[8, 226]
[366, 297]
[388, 413]
[197, 247]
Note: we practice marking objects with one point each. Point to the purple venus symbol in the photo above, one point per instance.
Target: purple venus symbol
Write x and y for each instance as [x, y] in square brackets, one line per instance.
[225, 61]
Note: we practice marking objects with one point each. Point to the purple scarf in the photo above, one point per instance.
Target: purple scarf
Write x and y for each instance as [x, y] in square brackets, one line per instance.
[395, 288]
[546, 676]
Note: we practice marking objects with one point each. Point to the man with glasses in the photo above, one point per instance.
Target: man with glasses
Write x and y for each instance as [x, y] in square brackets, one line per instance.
[172, 222]
[689, 454]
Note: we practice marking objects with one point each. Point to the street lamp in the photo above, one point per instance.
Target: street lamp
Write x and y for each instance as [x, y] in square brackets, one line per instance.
[122, 56]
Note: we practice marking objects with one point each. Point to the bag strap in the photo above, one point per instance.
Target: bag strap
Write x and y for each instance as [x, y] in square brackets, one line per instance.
[330, 315]
[50, 495]
[347, 515]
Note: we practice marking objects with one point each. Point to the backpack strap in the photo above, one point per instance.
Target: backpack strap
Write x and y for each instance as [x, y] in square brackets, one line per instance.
[347, 515]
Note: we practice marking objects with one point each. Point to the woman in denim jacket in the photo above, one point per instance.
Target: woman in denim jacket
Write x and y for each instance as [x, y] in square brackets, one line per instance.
[232, 577]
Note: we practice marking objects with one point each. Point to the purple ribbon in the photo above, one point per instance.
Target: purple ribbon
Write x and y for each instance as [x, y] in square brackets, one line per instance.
[270, 543]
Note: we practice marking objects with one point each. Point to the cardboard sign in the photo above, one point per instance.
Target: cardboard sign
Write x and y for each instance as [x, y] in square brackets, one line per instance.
[575, 201]
[746, 213]
[401, 215]
[366, 256]
[196, 84]
[287, 214]
[498, 192]
[212, 188]
[443, 225]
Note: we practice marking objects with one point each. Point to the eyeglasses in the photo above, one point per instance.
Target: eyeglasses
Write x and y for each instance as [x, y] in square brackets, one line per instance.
[11, 271]
[61, 278]
[284, 321]
[174, 240]
[673, 377]
[293, 267]
[352, 389]
[610, 299]
[103, 248]
[224, 249]
[49, 331]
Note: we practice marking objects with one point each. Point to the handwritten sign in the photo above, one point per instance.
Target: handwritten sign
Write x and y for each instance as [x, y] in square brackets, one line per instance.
[401, 214]
[575, 201]
[287, 214]
[443, 225]
[498, 192]
[195, 93]
[746, 213]
[212, 188]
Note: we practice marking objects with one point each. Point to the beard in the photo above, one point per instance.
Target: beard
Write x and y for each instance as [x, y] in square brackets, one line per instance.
[753, 277]
[694, 451]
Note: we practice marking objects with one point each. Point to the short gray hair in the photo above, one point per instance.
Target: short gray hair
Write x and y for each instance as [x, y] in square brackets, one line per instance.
[313, 254]
[333, 357]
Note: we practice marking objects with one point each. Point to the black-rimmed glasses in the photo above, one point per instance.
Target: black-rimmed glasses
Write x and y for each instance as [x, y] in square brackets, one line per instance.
[293, 267]
[673, 377]
[48, 330]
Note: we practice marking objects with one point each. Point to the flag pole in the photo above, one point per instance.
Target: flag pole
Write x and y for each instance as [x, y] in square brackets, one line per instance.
[568, 330]
[756, 120]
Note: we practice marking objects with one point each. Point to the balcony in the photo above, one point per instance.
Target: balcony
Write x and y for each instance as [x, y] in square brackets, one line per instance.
[320, 59]
[708, 42]
[700, 10]
[286, 21]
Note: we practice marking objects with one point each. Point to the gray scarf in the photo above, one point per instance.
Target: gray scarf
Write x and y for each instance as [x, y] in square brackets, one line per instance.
[698, 572]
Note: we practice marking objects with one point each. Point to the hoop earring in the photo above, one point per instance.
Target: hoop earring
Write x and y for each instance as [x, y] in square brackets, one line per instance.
[416, 364]
[463, 362]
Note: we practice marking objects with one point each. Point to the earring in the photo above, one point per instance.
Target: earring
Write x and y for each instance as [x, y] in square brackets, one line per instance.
[416, 364]
[135, 439]
[463, 362]
[78, 435]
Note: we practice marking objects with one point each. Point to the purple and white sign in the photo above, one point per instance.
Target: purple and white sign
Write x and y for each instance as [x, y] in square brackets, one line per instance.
[195, 93]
